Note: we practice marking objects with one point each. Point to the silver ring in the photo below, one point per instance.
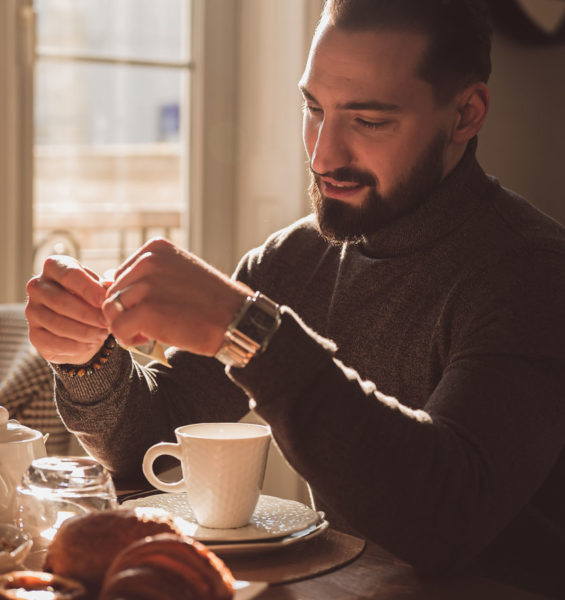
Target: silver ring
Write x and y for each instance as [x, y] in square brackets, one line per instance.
[118, 303]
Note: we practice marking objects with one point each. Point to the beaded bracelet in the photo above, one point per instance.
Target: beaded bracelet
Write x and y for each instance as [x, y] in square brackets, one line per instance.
[100, 358]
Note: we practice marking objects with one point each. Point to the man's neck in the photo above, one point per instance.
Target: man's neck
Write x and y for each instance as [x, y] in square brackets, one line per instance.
[453, 155]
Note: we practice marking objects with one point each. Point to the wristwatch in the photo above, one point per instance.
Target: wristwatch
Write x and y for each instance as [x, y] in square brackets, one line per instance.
[250, 332]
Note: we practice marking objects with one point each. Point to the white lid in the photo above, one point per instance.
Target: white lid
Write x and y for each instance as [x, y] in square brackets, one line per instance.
[12, 431]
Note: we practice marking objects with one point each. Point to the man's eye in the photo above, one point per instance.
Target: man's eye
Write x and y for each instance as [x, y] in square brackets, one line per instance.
[373, 124]
[311, 109]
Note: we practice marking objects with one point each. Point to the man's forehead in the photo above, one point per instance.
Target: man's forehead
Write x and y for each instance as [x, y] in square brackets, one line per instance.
[366, 49]
[363, 65]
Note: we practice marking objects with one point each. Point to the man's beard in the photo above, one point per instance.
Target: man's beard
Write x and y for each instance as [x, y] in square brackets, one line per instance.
[339, 221]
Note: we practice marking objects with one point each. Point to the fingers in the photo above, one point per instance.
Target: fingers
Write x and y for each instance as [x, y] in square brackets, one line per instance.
[42, 317]
[68, 289]
[74, 278]
[126, 327]
[130, 314]
[125, 298]
[49, 294]
[153, 246]
[108, 278]
[65, 320]
[62, 350]
[165, 293]
[92, 273]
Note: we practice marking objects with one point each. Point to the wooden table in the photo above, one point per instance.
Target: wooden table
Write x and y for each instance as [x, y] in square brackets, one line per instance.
[378, 575]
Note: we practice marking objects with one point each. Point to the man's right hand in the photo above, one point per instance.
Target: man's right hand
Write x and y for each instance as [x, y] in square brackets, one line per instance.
[66, 323]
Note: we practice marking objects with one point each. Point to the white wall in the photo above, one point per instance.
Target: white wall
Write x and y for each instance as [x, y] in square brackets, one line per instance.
[523, 142]
[271, 165]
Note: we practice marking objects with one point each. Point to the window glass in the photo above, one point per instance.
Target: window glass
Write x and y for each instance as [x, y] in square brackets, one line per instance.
[110, 136]
[144, 29]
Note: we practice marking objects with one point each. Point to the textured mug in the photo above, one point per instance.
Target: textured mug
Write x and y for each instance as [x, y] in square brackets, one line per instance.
[223, 466]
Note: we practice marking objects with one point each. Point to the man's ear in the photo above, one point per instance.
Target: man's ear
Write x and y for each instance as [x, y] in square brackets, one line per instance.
[472, 106]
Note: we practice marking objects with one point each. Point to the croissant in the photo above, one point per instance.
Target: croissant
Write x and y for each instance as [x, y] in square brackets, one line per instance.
[164, 567]
[84, 546]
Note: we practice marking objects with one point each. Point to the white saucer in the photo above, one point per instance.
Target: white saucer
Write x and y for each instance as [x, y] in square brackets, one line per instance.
[273, 518]
[245, 590]
[237, 548]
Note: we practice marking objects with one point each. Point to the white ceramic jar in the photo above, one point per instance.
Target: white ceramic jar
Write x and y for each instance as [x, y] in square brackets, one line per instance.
[19, 445]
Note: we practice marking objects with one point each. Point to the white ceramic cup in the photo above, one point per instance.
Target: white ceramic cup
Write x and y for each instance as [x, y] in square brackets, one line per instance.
[223, 465]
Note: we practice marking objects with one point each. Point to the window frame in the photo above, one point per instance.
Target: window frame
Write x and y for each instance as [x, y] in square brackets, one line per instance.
[210, 171]
[16, 134]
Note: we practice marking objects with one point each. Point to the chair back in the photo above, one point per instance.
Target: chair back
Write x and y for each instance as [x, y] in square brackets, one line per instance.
[26, 381]
[14, 340]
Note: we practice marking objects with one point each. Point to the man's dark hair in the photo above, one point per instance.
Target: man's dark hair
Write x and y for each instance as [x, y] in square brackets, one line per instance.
[459, 33]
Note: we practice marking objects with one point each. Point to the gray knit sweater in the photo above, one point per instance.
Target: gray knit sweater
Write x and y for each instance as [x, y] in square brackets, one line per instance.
[420, 391]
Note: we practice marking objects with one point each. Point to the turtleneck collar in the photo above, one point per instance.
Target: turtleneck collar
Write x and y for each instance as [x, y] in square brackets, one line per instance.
[452, 203]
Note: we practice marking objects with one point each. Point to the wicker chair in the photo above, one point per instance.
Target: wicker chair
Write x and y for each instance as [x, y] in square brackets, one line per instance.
[26, 381]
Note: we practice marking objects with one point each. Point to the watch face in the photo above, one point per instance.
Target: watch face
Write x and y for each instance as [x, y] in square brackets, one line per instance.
[256, 323]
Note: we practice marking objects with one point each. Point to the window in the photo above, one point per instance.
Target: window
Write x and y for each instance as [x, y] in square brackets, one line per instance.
[235, 176]
[111, 105]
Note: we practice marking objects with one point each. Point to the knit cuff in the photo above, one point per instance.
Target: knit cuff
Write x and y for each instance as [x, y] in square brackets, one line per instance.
[86, 384]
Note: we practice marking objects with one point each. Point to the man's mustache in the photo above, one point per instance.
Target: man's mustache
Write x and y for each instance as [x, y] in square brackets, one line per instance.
[349, 175]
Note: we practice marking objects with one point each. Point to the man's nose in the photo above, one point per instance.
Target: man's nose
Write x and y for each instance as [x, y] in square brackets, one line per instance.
[331, 150]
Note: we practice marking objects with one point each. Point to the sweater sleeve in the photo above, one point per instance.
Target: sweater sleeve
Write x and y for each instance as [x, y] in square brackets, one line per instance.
[434, 486]
[121, 410]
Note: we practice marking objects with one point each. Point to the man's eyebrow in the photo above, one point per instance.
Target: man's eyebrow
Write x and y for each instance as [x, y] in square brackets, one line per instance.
[365, 105]
[307, 94]
[370, 105]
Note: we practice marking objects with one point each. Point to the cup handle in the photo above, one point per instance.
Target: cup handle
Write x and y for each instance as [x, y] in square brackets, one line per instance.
[151, 456]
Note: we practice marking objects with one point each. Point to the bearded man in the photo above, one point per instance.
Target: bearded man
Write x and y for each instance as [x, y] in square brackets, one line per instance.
[405, 342]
